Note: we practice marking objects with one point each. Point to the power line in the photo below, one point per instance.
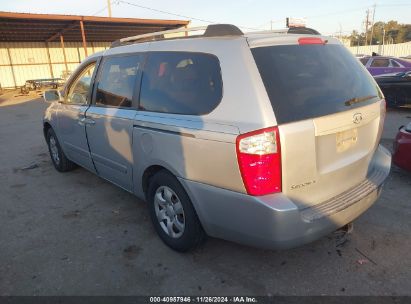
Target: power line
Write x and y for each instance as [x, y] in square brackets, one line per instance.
[165, 12]
[325, 15]
[359, 9]
[179, 15]
[98, 12]
[106, 7]
[394, 5]
[339, 12]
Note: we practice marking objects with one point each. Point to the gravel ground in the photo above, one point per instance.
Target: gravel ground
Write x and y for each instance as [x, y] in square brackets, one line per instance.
[76, 234]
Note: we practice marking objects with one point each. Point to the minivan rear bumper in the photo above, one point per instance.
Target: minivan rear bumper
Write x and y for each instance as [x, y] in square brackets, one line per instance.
[274, 221]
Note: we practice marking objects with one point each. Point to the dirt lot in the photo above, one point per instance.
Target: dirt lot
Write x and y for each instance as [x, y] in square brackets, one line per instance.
[74, 233]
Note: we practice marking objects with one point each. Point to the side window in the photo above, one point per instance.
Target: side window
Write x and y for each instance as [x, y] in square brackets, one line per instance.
[364, 60]
[79, 91]
[181, 83]
[380, 63]
[394, 64]
[117, 81]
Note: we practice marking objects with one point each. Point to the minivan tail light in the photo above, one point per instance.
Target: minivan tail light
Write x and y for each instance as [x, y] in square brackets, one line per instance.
[259, 160]
[311, 40]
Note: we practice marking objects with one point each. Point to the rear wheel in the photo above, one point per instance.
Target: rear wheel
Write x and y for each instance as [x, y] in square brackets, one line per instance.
[59, 159]
[172, 213]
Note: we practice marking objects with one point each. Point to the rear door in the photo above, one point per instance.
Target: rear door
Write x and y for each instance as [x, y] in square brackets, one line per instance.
[110, 117]
[328, 109]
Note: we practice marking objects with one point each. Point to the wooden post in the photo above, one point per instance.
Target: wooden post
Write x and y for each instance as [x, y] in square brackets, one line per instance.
[78, 54]
[49, 59]
[12, 68]
[109, 7]
[64, 52]
[92, 47]
[83, 36]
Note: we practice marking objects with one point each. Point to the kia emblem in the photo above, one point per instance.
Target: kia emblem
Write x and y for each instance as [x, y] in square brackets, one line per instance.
[357, 118]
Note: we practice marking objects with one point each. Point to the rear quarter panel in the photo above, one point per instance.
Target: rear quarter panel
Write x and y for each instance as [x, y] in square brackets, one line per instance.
[188, 148]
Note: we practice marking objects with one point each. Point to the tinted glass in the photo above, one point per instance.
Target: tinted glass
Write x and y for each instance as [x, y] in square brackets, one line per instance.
[181, 83]
[394, 64]
[117, 81]
[306, 81]
[380, 63]
[79, 91]
[364, 60]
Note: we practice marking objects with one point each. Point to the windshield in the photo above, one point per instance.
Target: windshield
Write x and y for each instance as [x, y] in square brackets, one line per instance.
[307, 81]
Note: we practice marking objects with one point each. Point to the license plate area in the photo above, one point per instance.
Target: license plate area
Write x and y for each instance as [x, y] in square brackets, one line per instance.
[346, 139]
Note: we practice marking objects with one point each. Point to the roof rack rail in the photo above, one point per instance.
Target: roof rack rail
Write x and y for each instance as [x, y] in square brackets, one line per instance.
[291, 30]
[213, 30]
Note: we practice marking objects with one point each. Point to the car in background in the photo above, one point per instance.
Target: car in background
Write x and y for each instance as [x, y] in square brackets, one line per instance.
[402, 148]
[396, 88]
[378, 65]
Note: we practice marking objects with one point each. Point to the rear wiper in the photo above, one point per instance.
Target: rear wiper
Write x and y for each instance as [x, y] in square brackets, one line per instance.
[351, 101]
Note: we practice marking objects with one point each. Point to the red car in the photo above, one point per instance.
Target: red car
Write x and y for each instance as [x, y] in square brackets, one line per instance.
[402, 148]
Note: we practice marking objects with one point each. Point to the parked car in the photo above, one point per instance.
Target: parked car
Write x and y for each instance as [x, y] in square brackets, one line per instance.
[377, 65]
[266, 139]
[402, 148]
[396, 88]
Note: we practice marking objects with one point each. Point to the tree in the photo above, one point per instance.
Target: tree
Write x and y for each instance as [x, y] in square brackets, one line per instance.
[394, 33]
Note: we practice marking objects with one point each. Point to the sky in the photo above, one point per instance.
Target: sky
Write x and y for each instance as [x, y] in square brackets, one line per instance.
[326, 16]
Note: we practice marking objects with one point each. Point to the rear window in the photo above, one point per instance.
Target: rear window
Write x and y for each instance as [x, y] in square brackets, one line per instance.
[307, 81]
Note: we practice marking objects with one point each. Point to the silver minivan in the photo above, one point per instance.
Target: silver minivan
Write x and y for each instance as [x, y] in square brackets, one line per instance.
[269, 139]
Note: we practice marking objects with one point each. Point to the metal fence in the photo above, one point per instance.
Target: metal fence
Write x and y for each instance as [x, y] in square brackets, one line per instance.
[21, 61]
[397, 50]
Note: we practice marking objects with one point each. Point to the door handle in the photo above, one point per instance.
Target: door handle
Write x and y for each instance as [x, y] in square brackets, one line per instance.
[86, 121]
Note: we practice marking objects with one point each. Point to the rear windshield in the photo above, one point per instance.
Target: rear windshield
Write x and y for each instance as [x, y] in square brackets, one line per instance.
[307, 81]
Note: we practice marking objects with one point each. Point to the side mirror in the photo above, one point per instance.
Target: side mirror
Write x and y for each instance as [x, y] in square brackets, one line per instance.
[52, 96]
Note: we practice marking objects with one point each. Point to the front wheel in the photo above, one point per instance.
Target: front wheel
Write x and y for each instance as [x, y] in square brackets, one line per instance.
[59, 159]
[172, 213]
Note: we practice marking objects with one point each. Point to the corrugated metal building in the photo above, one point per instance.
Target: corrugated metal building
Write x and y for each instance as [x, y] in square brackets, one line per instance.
[397, 50]
[34, 46]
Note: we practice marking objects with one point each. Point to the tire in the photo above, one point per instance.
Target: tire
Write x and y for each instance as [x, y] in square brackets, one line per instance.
[58, 158]
[163, 196]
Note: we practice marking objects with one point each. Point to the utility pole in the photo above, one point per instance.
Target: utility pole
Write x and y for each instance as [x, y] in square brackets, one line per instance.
[367, 18]
[372, 25]
[109, 7]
